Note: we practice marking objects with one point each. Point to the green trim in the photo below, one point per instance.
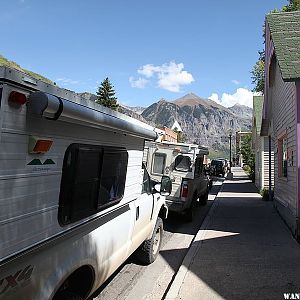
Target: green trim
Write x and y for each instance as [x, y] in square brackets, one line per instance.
[49, 161]
[35, 162]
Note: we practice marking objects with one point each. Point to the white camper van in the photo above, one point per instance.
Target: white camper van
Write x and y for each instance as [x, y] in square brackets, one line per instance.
[184, 164]
[75, 202]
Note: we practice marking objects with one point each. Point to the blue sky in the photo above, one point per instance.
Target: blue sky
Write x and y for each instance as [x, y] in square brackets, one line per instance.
[149, 49]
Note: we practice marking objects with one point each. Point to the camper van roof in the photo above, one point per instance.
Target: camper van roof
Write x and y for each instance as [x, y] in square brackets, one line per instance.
[201, 149]
[187, 145]
[75, 107]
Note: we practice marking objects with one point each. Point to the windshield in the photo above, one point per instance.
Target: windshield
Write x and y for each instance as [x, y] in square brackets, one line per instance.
[182, 163]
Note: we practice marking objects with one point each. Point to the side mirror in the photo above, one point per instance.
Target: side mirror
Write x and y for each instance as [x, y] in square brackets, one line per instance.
[165, 186]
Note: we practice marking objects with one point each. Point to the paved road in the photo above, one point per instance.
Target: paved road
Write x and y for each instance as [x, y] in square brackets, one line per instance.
[133, 281]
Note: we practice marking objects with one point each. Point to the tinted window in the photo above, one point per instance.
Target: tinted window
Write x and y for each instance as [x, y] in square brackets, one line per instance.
[146, 182]
[182, 163]
[113, 176]
[159, 162]
[93, 178]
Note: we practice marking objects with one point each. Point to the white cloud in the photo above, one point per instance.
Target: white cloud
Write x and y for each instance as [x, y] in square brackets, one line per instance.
[169, 76]
[241, 96]
[234, 81]
[66, 81]
[148, 70]
[139, 83]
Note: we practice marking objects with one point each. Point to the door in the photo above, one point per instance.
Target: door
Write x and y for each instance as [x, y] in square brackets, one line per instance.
[144, 205]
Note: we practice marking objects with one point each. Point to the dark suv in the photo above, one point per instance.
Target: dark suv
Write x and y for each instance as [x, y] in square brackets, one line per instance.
[218, 167]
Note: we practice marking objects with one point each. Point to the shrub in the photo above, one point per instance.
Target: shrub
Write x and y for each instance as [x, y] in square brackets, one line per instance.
[265, 194]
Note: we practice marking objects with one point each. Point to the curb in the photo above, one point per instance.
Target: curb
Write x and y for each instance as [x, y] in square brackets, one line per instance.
[193, 250]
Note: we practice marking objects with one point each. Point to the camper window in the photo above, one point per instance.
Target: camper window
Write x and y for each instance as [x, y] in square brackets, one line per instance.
[182, 163]
[113, 176]
[93, 178]
[159, 162]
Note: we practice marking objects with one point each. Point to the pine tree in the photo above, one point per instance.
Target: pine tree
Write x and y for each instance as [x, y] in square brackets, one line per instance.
[106, 95]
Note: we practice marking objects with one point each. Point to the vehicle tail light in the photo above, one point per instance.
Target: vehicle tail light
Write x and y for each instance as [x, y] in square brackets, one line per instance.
[17, 98]
[184, 189]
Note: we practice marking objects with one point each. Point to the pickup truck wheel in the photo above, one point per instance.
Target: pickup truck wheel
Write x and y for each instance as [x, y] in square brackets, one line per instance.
[149, 250]
[190, 212]
[67, 295]
[204, 199]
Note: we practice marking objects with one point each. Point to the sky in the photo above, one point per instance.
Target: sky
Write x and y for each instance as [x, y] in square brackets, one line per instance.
[149, 50]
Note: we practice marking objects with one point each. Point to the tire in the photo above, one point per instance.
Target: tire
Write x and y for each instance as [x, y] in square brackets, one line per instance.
[148, 251]
[189, 213]
[204, 198]
[67, 295]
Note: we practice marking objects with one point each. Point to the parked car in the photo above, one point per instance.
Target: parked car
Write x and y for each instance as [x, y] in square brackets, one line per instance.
[184, 164]
[226, 162]
[218, 167]
[75, 200]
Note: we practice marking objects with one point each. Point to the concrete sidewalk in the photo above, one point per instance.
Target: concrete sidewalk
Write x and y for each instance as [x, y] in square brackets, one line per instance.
[243, 250]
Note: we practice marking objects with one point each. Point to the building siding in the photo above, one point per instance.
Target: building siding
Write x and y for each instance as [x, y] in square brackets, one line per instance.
[282, 96]
[258, 162]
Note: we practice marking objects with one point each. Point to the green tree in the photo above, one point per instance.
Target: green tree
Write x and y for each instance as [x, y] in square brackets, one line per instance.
[106, 95]
[258, 73]
[258, 70]
[180, 136]
[292, 6]
[247, 152]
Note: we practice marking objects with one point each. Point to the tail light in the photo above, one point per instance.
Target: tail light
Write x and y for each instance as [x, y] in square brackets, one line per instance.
[17, 98]
[184, 189]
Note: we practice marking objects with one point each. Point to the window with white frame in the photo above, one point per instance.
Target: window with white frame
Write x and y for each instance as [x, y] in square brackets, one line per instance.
[282, 157]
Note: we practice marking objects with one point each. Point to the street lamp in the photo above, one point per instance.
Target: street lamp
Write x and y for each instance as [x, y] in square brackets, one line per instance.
[230, 175]
[230, 164]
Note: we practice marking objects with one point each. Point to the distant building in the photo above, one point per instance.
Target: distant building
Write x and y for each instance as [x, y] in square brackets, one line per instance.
[176, 127]
[160, 134]
[170, 135]
[260, 147]
[281, 111]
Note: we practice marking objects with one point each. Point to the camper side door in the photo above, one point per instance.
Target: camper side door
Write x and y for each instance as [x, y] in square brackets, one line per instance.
[145, 205]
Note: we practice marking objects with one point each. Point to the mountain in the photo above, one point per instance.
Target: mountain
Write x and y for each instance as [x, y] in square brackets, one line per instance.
[241, 110]
[202, 120]
[137, 109]
[192, 99]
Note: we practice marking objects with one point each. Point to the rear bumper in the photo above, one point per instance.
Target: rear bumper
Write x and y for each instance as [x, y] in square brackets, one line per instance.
[176, 205]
